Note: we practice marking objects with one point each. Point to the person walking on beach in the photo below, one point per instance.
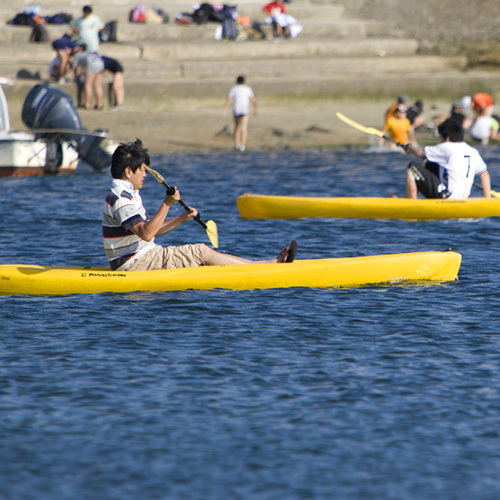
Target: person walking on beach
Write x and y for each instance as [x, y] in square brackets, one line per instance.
[241, 95]
[448, 169]
[128, 231]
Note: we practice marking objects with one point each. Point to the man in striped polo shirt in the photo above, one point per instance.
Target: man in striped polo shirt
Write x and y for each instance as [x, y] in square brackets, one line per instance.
[128, 231]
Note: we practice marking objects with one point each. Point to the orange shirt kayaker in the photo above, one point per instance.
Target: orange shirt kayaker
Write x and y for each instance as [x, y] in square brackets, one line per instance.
[398, 127]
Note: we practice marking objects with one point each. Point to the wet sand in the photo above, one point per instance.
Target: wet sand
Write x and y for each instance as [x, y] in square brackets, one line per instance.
[200, 126]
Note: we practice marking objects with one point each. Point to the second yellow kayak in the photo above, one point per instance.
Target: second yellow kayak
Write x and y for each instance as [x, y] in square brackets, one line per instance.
[257, 206]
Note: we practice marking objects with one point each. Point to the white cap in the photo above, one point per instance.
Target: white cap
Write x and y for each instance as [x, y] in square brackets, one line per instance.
[466, 101]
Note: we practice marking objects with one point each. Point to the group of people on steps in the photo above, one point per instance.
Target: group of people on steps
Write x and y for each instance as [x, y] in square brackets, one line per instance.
[78, 55]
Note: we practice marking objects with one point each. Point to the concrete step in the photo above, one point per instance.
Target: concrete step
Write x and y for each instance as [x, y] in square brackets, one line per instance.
[146, 93]
[42, 53]
[18, 35]
[141, 33]
[280, 69]
[283, 68]
[119, 10]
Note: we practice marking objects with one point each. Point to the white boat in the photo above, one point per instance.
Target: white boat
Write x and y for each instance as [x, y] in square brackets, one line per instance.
[23, 154]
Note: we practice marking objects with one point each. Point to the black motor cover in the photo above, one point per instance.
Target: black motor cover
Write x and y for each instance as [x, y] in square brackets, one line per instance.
[47, 107]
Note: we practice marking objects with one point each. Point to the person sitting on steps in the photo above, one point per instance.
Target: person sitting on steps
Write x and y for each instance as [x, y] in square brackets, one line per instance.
[277, 14]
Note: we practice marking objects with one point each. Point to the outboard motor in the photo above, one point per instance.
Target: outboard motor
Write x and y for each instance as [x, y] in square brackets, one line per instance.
[47, 107]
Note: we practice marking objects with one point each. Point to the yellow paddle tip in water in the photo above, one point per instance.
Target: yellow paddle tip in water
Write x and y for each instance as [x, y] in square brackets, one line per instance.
[212, 233]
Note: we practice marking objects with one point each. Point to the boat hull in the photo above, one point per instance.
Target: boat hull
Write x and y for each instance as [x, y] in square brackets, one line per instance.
[318, 273]
[24, 156]
[253, 206]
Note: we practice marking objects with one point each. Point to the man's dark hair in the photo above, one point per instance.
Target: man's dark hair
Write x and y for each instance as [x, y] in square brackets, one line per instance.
[240, 79]
[131, 154]
[451, 129]
[87, 9]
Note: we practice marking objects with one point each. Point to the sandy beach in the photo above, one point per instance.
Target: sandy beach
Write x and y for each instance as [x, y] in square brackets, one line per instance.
[199, 125]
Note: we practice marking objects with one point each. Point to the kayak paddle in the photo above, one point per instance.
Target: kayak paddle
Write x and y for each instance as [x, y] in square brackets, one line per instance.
[495, 194]
[374, 131]
[210, 227]
[367, 130]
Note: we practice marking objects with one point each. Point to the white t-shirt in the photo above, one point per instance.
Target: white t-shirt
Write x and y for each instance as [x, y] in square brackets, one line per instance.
[88, 31]
[242, 95]
[459, 163]
[481, 128]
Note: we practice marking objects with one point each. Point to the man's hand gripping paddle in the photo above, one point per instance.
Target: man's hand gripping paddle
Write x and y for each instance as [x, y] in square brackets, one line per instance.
[374, 131]
[210, 227]
[367, 130]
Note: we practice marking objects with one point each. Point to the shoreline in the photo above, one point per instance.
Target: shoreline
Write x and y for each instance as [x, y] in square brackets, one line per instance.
[198, 125]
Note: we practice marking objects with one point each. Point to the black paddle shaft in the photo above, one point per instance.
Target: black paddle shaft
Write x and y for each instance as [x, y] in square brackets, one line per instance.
[171, 192]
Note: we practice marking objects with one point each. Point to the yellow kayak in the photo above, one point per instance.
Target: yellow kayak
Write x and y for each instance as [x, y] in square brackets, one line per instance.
[316, 273]
[254, 206]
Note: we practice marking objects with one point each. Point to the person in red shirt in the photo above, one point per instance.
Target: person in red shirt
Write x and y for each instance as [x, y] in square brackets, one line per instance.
[277, 12]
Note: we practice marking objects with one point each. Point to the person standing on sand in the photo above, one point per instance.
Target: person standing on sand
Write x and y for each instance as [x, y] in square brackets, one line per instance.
[89, 67]
[116, 68]
[128, 232]
[241, 95]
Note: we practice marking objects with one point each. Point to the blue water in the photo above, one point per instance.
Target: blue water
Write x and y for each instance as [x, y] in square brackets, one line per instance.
[369, 393]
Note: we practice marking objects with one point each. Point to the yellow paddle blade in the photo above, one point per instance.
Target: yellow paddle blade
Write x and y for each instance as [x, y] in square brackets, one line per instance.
[212, 233]
[156, 174]
[358, 126]
[495, 194]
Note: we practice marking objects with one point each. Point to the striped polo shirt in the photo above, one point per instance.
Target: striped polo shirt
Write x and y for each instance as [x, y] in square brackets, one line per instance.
[123, 209]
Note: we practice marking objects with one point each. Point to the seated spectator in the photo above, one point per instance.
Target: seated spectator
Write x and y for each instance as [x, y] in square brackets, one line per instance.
[277, 16]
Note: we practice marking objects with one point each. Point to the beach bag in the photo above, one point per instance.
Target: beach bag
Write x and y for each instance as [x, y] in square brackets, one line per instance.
[230, 11]
[165, 17]
[184, 18]
[109, 32]
[61, 18]
[207, 13]
[39, 34]
[23, 19]
[257, 33]
[152, 17]
[229, 29]
[138, 14]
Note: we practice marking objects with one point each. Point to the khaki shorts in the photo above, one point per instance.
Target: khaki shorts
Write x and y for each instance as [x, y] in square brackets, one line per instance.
[169, 258]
